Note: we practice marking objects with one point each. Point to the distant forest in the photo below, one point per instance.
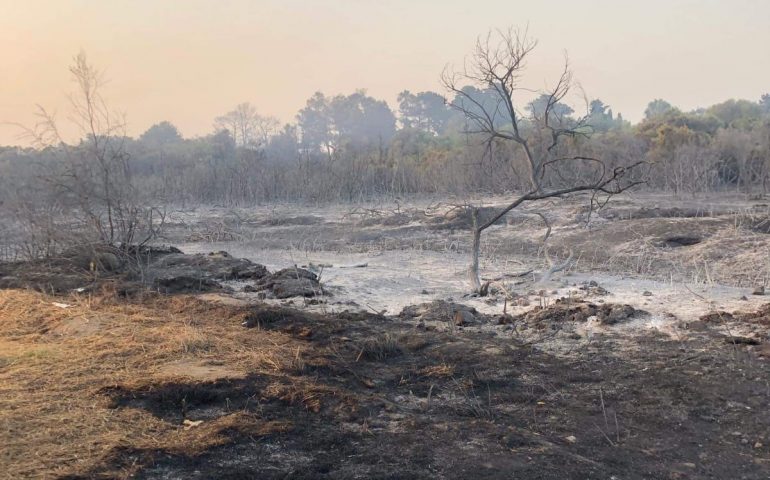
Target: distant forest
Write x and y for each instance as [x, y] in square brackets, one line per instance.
[355, 147]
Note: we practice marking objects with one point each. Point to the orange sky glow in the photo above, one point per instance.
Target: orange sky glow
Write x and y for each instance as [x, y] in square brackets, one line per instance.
[188, 61]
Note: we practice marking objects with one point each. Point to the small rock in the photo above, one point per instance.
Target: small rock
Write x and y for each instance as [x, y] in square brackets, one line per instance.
[744, 298]
[464, 317]
[571, 439]
[290, 282]
[758, 445]
[696, 325]
[760, 290]
[612, 314]
[647, 293]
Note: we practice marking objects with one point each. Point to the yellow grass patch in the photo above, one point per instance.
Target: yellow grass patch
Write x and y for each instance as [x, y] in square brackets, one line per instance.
[55, 361]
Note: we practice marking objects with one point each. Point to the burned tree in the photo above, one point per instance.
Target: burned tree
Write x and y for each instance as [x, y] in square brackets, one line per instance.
[91, 181]
[547, 137]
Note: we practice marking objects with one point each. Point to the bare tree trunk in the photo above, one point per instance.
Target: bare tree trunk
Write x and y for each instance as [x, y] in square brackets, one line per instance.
[473, 268]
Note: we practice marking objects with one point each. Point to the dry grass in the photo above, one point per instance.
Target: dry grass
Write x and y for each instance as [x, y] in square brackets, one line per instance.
[380, 348]
[56, 362]
[438, 371]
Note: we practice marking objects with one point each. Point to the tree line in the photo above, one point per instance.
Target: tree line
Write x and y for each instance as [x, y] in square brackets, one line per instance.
[354, 147]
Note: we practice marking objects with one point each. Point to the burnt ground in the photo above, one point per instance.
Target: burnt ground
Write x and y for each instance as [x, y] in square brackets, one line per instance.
[506, 414]
[356, 395]
[120, 382]
[714, 237]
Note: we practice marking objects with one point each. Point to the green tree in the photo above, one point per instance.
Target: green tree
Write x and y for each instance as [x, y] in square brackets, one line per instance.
[426, 111]
[657, 108]
[736, 113]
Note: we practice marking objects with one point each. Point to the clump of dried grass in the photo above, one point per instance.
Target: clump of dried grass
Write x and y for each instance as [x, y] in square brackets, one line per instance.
[381, 347]
[50, 381]
[438, 371]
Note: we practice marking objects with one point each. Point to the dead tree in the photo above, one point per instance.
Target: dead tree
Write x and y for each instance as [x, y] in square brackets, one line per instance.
[547, 138]
[93, 177]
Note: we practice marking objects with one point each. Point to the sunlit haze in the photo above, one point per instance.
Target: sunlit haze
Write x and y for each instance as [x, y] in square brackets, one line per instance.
[189, 61]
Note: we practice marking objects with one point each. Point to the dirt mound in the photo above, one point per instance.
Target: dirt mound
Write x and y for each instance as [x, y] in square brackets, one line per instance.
[178, 272]
[592, 288]
[396, 218]
[166, 270]
[72, 269]
[461, 218]
[758, 317]
[761, 225]
[108, 259]
[442, 311]
[572, 310]
[290, 282]
[86, 268]
[41, 276]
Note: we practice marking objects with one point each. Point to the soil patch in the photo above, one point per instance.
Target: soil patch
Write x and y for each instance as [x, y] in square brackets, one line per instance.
[461, 218]
[576, 310]
[289, 282]
[178, 272]
[680, 241]
[758, 317]
[443, 311]
[207, 370]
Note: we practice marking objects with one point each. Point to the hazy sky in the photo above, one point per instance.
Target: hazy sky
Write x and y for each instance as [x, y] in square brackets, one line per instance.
[188, 61]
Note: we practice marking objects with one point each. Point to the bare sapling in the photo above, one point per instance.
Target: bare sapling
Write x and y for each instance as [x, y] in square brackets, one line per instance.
[546, 137]
[93, 181]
